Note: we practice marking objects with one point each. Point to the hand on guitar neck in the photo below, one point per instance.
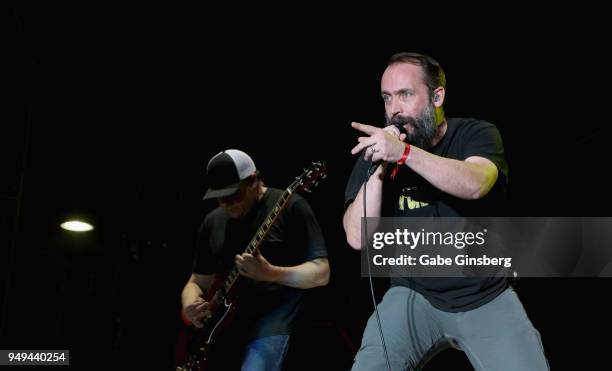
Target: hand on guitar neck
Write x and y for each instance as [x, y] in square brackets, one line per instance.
[256, 267]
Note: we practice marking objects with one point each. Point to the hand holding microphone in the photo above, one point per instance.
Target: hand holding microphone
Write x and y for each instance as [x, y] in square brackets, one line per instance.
[383, 144]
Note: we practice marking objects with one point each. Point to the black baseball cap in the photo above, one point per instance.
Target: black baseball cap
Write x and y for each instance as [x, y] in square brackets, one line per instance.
[226, 170]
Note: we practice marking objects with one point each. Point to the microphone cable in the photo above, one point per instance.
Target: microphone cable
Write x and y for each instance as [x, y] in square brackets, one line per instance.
[365, 227]
[369, 173]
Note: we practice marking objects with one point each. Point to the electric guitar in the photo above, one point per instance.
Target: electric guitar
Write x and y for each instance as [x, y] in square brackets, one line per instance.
[222, 294]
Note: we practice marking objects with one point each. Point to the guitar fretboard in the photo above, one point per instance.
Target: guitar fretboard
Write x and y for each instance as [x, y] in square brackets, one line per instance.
[259, 236]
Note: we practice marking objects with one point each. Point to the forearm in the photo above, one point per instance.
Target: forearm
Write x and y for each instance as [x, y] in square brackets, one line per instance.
[307, 275]
[463, 179]
[353, 214]
[191, 292]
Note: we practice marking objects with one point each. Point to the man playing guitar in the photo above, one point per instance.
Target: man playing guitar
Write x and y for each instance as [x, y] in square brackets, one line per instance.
[290, 258]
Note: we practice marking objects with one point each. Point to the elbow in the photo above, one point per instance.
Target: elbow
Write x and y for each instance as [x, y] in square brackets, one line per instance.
[353, 235]
[481, 189]
[482, 179]
[324, 279]
[353, 240]
[322, 276]
[478, 193]
[483, 186]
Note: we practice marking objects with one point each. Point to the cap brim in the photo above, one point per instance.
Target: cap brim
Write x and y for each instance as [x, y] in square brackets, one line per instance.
[223, 192]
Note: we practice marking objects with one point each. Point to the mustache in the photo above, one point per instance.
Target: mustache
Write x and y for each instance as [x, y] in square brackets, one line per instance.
[424, 126]
[402, 120]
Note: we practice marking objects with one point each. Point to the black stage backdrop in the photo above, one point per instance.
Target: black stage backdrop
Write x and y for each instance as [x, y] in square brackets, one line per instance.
[113, 112]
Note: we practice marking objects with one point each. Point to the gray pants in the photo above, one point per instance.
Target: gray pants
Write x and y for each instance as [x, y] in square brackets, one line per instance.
[497, 336]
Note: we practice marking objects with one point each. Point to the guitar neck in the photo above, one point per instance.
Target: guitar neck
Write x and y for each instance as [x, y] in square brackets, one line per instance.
[260, 235]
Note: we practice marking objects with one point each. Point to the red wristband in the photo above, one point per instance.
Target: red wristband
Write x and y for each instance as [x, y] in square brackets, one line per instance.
[405, 155]
[401, 161]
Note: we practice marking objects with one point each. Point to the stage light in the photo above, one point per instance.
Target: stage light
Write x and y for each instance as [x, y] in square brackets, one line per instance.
[76, 226]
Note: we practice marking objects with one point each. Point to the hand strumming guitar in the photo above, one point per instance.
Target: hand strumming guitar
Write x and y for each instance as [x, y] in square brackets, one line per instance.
[196, 311]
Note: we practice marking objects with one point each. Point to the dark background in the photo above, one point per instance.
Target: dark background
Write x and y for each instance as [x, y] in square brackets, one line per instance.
[111, 114]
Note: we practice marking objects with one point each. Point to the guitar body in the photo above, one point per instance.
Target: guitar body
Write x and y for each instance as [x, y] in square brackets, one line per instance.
[198, 342]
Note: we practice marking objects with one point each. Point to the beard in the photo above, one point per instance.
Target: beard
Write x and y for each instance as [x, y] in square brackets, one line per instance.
[424, 127]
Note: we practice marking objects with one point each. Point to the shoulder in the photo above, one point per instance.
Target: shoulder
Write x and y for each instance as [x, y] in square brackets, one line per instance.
[474, 132]
[271, 197]
[297, 201]
[214, 218]
[298, 205]
[470, 125]
[274, 194]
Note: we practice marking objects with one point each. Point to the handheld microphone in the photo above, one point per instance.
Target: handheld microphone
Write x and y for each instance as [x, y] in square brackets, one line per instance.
[376, 164]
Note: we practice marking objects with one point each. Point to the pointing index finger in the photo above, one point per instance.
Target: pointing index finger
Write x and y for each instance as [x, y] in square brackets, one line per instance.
[368, 129]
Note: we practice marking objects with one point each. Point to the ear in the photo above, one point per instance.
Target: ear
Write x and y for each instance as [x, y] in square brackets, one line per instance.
[254, 180]
[438, 97]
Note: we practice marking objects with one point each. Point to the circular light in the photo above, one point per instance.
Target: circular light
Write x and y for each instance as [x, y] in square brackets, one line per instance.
[77, 226]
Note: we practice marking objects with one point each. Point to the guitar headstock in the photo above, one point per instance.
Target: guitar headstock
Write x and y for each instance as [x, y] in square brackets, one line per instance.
[310, 177]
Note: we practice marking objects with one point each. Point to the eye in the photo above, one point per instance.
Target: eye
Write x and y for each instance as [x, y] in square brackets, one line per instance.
[386, 98]
[405, 94]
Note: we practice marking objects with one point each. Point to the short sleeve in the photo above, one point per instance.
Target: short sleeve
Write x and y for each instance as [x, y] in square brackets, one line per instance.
[358, 175]
[484, 140]
[308, 228]
[203, 262]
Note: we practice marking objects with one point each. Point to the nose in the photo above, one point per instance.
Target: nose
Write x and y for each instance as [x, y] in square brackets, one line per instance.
[225, 201]
[395, 107]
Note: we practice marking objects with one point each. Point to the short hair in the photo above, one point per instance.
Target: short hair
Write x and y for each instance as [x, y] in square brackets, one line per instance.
[433, 72]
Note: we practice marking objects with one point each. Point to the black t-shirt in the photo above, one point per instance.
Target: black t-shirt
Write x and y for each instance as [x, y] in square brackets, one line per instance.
[410, 195]
[264, 309]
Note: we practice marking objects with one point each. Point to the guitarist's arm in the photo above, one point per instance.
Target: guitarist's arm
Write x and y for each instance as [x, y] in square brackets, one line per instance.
[307, 275]
[194, 306]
